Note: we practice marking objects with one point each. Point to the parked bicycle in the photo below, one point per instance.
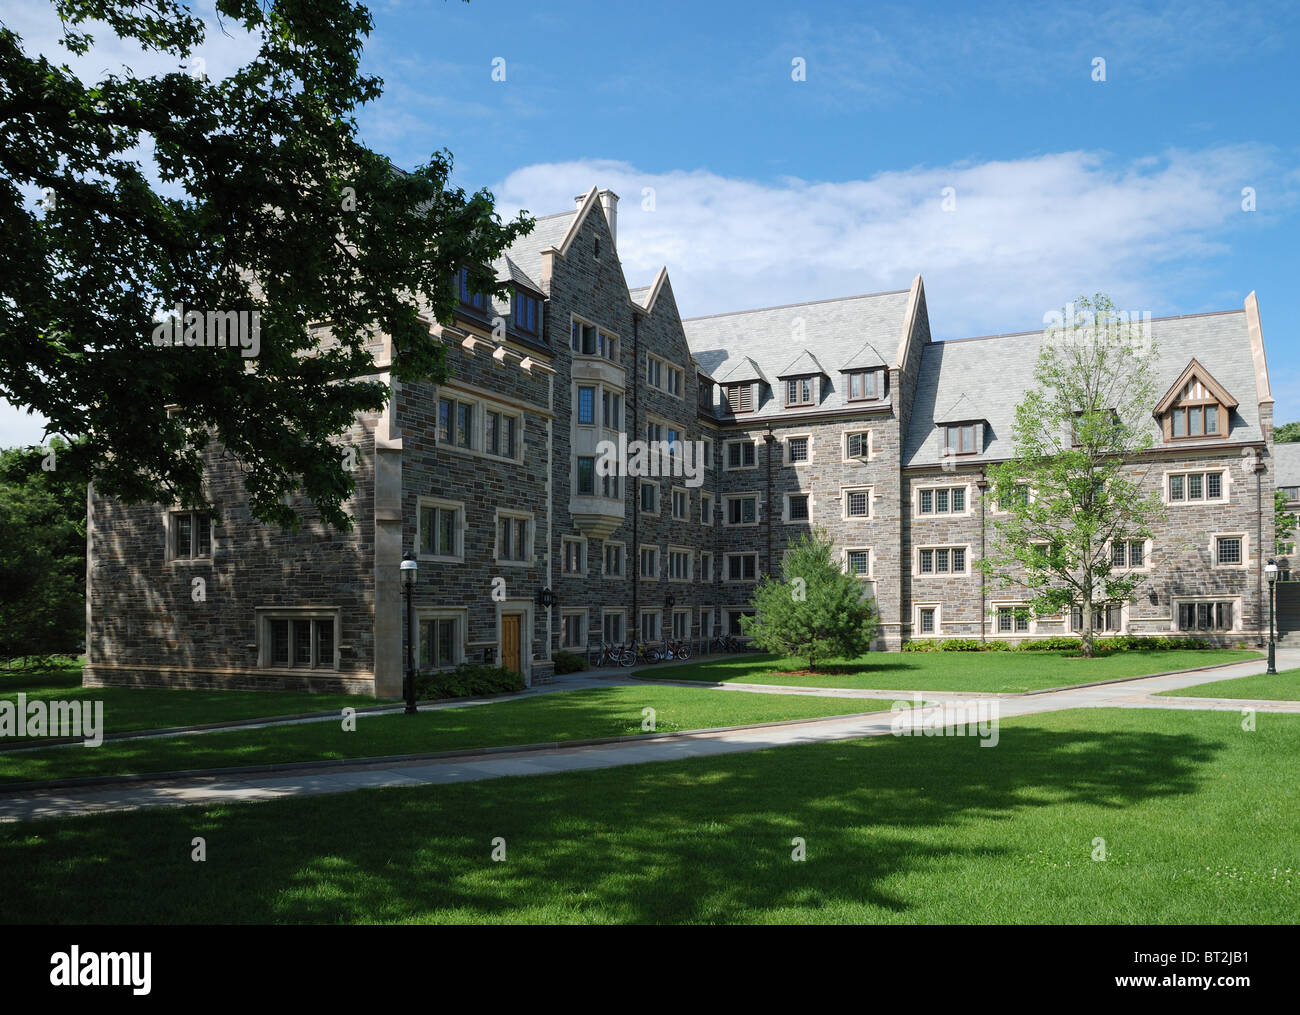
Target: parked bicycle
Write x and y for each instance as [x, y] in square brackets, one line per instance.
[613, 655]
[674, 649]
[634, 653]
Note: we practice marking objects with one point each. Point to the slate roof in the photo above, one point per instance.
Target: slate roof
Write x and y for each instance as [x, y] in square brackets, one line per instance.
[993, 374]
[549, 231]
[802, 365]
[771, 337]
[1286, 464]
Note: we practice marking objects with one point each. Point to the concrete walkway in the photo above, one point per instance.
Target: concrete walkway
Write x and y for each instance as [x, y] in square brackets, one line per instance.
[1136, 693]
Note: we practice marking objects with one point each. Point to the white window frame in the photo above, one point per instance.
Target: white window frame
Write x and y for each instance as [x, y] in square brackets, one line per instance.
[870, 491]
[1244, 563]
[530, 551]
[706, 565]
[605, 614]
[785, 507]
[659, 624]
[478, 429]
[744, 495]
[458, 507]
[686, 550]
[1013, 605]
[1225, 491]
[263, 615]
[622, 558]
[583, 633]
[916, 561]
[653, 576]
[581, 543]
[785, 449]
[1147, 546]
[726, 568]
[726, 455]
[706, 509]
[460, 615]
[169, 538]
[640, 504]
[938, 620]
[871, 562]
[685, 516]
[931, 488]
[1068, 618]
[845, 457]
[1237, 618]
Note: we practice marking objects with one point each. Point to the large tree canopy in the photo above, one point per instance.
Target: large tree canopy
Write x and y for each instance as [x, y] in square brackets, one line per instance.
[260, 198]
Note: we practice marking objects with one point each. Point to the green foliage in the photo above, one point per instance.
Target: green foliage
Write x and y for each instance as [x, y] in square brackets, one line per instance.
[814, 610]
[42, 553]
[267, 203]
[1104, 646]
[467, 680]
[1287, 433]
[1068, 490]
[568, 662]
[1284, 522]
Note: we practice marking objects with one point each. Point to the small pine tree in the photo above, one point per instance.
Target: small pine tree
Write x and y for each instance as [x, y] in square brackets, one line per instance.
[814, 610]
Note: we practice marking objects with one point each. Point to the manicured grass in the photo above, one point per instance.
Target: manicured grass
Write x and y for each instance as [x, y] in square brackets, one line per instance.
[1282, 686]
[144, 708]
[1198, 828]
[564, 715]
[944, 671]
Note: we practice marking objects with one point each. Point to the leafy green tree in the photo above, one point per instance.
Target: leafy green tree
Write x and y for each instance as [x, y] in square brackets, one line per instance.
[1287, 433]
[814, 610]
[42, 553]
[1284, 522]
[260, 199]
[1070, 489]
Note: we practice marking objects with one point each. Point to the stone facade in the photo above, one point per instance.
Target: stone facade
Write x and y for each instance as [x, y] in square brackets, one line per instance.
[486, 479]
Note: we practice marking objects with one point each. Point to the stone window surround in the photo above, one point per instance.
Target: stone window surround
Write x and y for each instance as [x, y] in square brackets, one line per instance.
[726, 568]
[659, 625]
[599, 329]
[606, 546]
[1068, 621]
[785, 507]
[582, 633]
[1236, 600]
[666, 367]
[706, 516]
[482, 406]
[706, 573]
[966, 500]
[679, 549]
[871, 562]
[1002, 604]
[938, 620]
[581, 542]
[995, 508]
[605, 614]
[742, 495]
[1147, 546]
[785, 449]
[916, 560]
[169, 542]
[845, 457]
[729, 611]
[529, 557]
[459, 614]
[686, 516]
[640, 503]
[1245, 562]
[682, 611]
[1226, 491]
[423, 502]
[726, 454]
[653, 576]
[870, 491]
[262, 615]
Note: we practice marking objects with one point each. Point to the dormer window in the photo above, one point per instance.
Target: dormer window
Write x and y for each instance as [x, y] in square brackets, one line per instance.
[865, 385]
[740, 397]
[800, 391]
[1196, 408]
[963, 438]
[469, 298]
[704, 392]
[527, 311]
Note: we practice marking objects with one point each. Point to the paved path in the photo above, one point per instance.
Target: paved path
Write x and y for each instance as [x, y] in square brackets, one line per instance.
[43, 804]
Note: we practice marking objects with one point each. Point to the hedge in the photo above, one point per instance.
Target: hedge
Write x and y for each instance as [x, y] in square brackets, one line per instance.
[1101, 646]
[467, 680]
[568, 662]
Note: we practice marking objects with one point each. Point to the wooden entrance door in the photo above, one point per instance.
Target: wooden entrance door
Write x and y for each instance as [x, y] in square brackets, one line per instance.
[511, 627]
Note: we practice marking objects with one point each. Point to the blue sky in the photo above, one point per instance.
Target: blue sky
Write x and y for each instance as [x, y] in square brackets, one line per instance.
[770, 190]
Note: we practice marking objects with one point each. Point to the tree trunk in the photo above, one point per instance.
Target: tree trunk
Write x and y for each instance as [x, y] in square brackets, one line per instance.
[1087, 630]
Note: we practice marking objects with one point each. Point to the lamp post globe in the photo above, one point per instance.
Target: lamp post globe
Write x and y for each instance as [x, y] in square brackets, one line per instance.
[1270, 572]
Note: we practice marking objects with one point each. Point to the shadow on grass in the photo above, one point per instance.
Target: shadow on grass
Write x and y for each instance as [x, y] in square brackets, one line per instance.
[706, 840]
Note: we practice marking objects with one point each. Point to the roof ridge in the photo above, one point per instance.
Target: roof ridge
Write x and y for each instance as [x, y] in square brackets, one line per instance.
[1021, 334]
[805, 303]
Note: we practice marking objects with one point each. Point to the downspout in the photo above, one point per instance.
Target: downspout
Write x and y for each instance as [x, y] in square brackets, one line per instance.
[1259, 548]
[635, 562]
[770, 441]
[982, 485]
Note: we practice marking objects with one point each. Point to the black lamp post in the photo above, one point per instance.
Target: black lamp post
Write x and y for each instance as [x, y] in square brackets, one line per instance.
[409, 571]
[1270, 572]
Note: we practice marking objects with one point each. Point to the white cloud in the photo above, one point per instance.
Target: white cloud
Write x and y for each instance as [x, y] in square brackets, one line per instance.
[1024, 237]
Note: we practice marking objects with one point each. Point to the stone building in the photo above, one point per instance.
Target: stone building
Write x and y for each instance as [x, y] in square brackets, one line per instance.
[843, 414]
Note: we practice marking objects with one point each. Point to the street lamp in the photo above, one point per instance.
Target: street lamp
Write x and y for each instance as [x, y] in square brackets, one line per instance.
[1270, 572]
[409, 571]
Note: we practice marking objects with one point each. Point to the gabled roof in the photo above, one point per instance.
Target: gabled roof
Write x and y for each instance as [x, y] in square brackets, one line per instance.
[864, 359]
[507, 270]
[803, 365]
[549, 231]
[1194, 370]
[741, 370]
[961, 411]
[995, 372]
[768, 337]
[646, 295]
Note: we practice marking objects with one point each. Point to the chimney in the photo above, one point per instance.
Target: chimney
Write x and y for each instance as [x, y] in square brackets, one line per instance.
[609, 203]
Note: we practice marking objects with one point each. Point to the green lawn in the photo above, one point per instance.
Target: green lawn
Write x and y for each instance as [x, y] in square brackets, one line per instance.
[144, 708]
[564, 715]
[944, 671]
[1283, 686]
[1197, 828]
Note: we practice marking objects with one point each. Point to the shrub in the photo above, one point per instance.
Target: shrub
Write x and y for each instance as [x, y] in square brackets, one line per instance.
[568, 662]
[467, 680]
[1057, 643]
